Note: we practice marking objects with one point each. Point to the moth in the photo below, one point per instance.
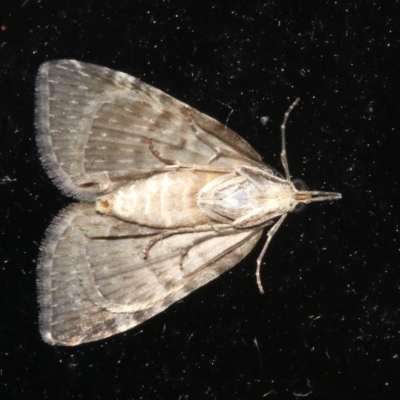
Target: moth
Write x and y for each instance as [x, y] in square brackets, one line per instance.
[169, 200]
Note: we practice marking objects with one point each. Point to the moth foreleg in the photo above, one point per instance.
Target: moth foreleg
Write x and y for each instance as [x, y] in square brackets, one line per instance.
[270, 235]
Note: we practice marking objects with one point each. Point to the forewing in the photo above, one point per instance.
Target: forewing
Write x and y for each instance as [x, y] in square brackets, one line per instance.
[94, 282]
[94, 126]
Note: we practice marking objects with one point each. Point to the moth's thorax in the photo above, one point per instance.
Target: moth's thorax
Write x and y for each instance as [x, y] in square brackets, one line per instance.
[167, 200]
[234, 196]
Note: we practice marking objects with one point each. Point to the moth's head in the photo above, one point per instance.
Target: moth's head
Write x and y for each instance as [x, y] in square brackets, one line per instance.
[302, 196]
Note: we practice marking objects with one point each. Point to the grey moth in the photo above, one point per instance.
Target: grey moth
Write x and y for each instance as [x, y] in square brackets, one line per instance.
[169, 200]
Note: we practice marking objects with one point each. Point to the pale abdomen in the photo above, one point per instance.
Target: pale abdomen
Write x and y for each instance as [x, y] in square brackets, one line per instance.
[167, 200]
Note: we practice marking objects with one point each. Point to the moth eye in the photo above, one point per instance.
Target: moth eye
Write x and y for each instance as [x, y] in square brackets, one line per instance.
[299, 184]
[299, 207]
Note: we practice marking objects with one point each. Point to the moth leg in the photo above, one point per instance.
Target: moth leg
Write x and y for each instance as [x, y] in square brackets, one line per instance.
[218, 151]
[162, 158]
[101, 180]
[185, 250]
[163, 235]
[202, 136]
[107, 181]
[174, 164]
[270, 235]
[215, 230]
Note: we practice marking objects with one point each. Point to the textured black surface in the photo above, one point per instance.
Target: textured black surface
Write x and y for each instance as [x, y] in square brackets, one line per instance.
[328, 325]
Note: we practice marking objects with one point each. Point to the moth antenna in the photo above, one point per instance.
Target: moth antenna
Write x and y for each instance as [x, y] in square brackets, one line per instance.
[283, 130]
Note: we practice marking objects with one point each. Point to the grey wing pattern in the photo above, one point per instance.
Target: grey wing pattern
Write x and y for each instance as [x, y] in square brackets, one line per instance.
[92, 286]
[94, 126]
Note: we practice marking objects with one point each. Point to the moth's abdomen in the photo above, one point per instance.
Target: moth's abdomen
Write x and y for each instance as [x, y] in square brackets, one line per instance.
[167, 200]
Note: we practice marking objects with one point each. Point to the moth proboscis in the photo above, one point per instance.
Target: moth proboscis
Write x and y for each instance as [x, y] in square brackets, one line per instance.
[170, 199]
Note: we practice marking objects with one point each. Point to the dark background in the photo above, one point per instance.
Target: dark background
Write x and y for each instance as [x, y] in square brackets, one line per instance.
[328, 326]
